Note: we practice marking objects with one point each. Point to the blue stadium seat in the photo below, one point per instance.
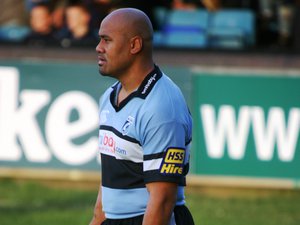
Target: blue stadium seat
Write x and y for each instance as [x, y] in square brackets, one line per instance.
[158, 39]
[185, 28]
[13, 33]
[231, 29]
[192, 18]
[183, 38]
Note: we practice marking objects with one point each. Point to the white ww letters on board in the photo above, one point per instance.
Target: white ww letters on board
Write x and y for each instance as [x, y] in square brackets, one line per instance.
[233, 128]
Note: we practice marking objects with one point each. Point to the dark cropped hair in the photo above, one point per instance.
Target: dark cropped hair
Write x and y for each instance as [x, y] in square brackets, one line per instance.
[77, 3]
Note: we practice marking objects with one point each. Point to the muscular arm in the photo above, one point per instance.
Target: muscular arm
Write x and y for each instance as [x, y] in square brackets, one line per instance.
[99, 216]
[161, 203]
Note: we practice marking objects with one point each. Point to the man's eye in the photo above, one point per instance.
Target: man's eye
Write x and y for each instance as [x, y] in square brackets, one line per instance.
[104, 39]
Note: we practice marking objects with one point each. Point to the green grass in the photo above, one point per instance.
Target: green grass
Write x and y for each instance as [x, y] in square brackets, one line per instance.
[246, 207]
[33, 203]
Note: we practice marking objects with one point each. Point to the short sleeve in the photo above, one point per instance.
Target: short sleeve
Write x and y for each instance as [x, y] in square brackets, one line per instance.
[164, 153]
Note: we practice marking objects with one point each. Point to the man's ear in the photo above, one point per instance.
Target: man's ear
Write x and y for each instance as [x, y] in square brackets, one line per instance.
[136, 44]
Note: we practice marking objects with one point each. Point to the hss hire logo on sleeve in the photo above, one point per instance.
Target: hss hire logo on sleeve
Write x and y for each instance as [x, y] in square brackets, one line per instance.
[173, 161]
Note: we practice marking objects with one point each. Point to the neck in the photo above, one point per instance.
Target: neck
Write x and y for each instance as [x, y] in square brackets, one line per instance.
[133, 80]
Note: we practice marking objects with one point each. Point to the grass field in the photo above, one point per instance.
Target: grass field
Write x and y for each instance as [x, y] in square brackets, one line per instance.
[33, 203]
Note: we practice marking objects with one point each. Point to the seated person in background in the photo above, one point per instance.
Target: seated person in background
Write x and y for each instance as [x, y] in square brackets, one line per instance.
[57, 8]
[212, 5]
[78, 31]
[41, 26]
[186, 4]
[58, 14]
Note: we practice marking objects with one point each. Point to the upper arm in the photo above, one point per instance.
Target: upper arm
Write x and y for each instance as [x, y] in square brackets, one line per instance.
[162, 190]
[161, 202]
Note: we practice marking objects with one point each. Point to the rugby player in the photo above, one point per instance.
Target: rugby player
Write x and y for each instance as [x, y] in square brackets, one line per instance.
[145, 130]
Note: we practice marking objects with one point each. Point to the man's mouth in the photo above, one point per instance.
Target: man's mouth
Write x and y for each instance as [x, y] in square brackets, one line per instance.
[101, 60]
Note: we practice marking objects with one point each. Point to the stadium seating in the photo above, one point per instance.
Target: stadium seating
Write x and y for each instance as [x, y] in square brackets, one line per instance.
[227, 28]
[231, 29]
[185, 28]
[13, 33]
[199, 28]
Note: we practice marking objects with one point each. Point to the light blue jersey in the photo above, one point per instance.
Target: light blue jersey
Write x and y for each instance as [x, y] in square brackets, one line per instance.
[144, 139]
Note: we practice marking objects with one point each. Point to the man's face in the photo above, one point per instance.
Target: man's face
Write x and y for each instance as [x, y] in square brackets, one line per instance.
[40, 19]
[113, 49]
[76, 18]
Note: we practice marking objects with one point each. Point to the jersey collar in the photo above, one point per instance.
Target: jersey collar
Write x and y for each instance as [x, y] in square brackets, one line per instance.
[142, 92]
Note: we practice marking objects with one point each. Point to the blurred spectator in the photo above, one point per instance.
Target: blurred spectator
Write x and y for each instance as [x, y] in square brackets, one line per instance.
[185, 4]
[57, 8]
[42, 32]
[285, 20]
[58, 13]
[212, 5]
[78, 28]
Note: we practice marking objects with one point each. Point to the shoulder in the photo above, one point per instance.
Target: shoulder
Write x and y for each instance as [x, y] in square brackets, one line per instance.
[166, 102]
[166, 94]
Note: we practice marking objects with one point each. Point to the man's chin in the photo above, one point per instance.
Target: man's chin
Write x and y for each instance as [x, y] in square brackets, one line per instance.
[103, 73]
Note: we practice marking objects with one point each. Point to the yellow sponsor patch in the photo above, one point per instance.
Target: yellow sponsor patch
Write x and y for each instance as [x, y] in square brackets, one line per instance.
[174, 155]
[173, 162]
